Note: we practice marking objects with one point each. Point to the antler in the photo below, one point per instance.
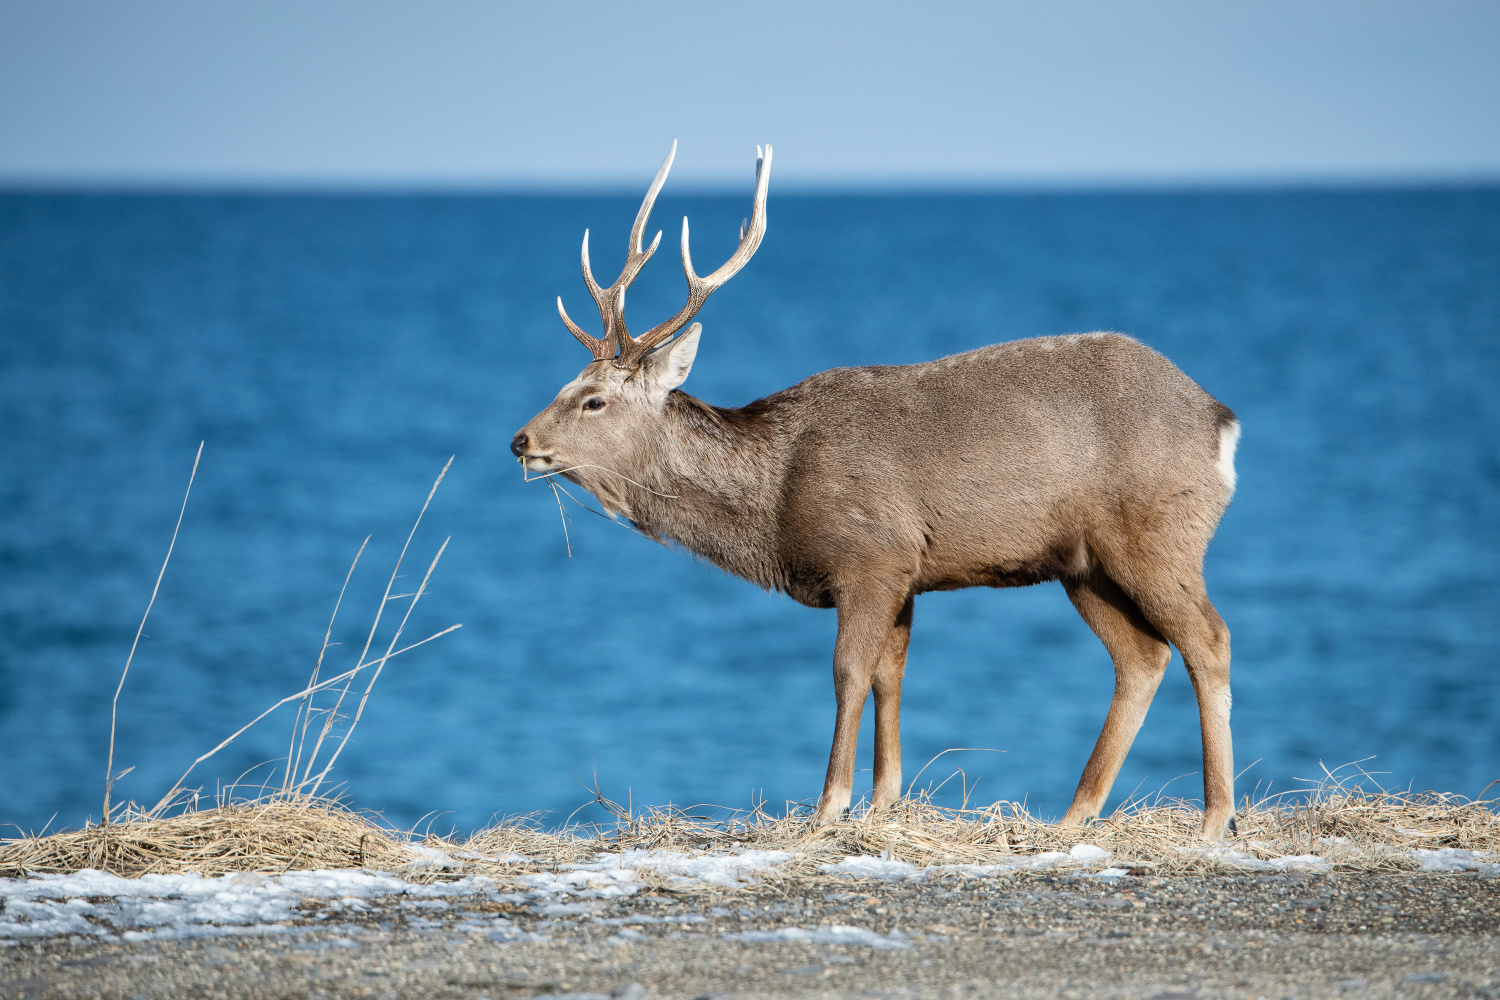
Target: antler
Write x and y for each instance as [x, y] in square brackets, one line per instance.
[611, 301]
[632, 350]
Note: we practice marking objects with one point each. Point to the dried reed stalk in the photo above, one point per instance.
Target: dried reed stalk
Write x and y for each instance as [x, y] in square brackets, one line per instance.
[290, 826]
[114, 706]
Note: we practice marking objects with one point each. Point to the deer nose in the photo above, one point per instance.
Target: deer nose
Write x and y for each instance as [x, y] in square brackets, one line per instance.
[518, 444]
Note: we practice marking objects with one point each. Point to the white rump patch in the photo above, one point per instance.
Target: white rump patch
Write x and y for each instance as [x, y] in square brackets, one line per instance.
[1229, 438]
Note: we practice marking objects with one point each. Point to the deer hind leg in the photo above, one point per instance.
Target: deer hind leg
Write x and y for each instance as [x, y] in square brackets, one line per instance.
[1140, 656]
[888, 677]
[1177, 604]
[865, 624]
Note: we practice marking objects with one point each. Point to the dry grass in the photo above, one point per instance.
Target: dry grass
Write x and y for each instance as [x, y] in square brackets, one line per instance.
[272, 836]
[1353, 829]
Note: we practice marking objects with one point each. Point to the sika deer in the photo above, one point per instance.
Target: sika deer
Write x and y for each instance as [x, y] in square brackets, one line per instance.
[1088, 459]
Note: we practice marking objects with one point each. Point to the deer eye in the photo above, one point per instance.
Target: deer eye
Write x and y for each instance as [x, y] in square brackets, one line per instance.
[593, 403]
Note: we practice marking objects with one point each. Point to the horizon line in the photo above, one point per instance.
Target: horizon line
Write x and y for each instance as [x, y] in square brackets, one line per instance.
[608, 187]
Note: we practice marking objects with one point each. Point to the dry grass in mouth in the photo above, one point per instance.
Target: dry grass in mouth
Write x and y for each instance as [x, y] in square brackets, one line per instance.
[1355, 830]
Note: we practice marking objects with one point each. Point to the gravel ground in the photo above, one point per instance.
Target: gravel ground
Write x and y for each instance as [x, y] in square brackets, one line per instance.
[1026, 935]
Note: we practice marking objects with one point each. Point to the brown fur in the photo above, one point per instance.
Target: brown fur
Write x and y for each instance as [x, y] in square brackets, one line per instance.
[1088, 459]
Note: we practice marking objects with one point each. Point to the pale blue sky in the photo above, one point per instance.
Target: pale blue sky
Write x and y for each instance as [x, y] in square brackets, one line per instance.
[446, 92]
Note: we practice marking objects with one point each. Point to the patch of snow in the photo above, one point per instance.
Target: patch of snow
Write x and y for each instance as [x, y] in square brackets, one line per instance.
[1107, 873]
[504, 859]
[568, 909]
[429, 857]
[1239, 859]
[615, 874]
[1298, 862]
[364, 884]
[96, 904]
[967, 871]
[1455, 859]
[1046, 859]
[604, 878]
[866, 866]
[729, 870]
[425, 904]
[186, 931]
[837, 934]
[1088, 852]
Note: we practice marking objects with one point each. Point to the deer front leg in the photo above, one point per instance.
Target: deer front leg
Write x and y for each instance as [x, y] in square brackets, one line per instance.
[865, 622]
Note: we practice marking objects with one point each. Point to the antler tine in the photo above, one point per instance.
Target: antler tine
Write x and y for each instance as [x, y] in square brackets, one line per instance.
[639, 229]
[635, 257]
[699, 289]
[611, 301]
[602, 350]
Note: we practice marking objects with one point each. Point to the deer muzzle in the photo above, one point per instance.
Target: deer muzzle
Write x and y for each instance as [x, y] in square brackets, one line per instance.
[534, 461]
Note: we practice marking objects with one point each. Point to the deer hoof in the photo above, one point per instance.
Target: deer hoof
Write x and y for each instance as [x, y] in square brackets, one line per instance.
[1219, 829]
[1077, 818]
[830, 815]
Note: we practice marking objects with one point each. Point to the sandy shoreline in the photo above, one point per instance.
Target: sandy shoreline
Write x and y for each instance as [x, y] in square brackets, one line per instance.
[1029, 934]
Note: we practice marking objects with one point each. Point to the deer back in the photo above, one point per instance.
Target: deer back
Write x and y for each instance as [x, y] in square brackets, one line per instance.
[995, 467]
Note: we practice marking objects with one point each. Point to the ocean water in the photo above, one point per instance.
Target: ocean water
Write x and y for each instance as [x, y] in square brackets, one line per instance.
[334, 351]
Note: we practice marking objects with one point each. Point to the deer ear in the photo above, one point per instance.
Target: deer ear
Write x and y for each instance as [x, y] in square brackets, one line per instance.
[667, 366]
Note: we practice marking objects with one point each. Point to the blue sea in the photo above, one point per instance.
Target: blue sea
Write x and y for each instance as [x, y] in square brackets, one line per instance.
[333, 351]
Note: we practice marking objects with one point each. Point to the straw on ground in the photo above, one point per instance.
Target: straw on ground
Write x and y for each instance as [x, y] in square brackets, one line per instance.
[1353, 829]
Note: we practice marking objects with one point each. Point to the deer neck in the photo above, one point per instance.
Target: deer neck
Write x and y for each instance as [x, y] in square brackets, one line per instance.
[711, 482]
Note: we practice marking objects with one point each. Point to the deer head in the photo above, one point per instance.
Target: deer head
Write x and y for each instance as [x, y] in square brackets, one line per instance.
[598, 420]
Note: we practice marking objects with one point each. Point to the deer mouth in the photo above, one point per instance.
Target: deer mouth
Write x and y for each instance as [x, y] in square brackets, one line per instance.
[538, 463]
